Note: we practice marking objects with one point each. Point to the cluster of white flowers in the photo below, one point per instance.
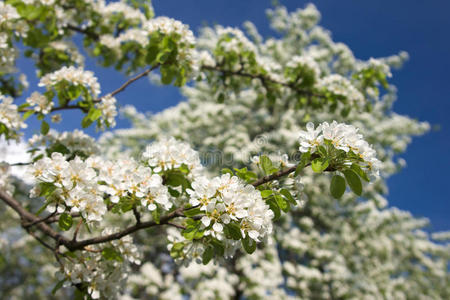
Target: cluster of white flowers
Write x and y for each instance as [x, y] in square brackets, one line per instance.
[107, 105]
[76, 76]
[306, 62]
[105, 277]
[120, 8]
[227, 199]
[76, 185]
[192, 250]
[40, 102]
[9, 116]
[8, 54]
[169, 153]
[341, 86]
[75, 141]
[69, 48]
[238, 42]
[125, 177]
[169, 26]
[342, 136]
[82, 185]
[7, 13]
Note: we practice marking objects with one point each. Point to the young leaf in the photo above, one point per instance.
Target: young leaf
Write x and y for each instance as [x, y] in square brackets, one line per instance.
[233, 230]
[45, 128]
[288, 196]
[266, 193]
[110, 253]
[249, 245]
[353, 181]
[319, 165]
[337, 186]
[266, 164]
[65, 221]
[207, 255]
[360, 172]
[58, 286]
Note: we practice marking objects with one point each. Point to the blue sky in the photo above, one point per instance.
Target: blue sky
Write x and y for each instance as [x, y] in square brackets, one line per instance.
[370, 29]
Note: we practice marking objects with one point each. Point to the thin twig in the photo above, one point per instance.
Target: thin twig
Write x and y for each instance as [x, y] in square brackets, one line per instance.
[263, 79]
[44, 219]
[75, 234]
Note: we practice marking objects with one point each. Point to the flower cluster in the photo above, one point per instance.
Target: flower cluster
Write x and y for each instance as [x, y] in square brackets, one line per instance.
[169, 154]
[126, 178]
[108, 11]
[76, 142]
[105, 272]
[227, 199]
[81, 186]
[305, 62]
[74, 184]
[40, 102]
[341, 136]
[169, 26]
[341, 86]
[7, 13]
[10, 117]
[73, 76]
[107, 106]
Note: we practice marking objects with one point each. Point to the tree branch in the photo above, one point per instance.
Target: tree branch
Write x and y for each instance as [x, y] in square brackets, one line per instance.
[129, 81]
[262, 78]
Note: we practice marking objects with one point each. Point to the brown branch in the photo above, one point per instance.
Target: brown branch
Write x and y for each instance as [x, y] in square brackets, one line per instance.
[282, 173]
[75, 234]
[44, 219]
[274, 176]
[128, 82]
[264, 79]
[90, 34]
[26, 216]
[73, 245]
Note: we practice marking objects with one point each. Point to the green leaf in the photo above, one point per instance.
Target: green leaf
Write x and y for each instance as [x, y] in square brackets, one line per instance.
[266, 164]
[46, 189]
[249, 245]
[45, 128]
[337, 186]
[282, 203]
[353, 181]
[65, 221]
[58, 286]
[303, 162]
[27, 114]
[176, 179]
[227, 170]
[94, 114]
[233, 230]
[156, 215]
[218, 247]
[86, 122]
[266, 193]
[109, 253]
[208, 255]
[288, 196]
[319, 165]
[58, 147]
[192, 230]
[192, 212]
[360, 172]
[275, 208]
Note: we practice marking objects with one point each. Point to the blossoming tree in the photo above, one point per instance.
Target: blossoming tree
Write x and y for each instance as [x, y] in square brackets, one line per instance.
[268, 182]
